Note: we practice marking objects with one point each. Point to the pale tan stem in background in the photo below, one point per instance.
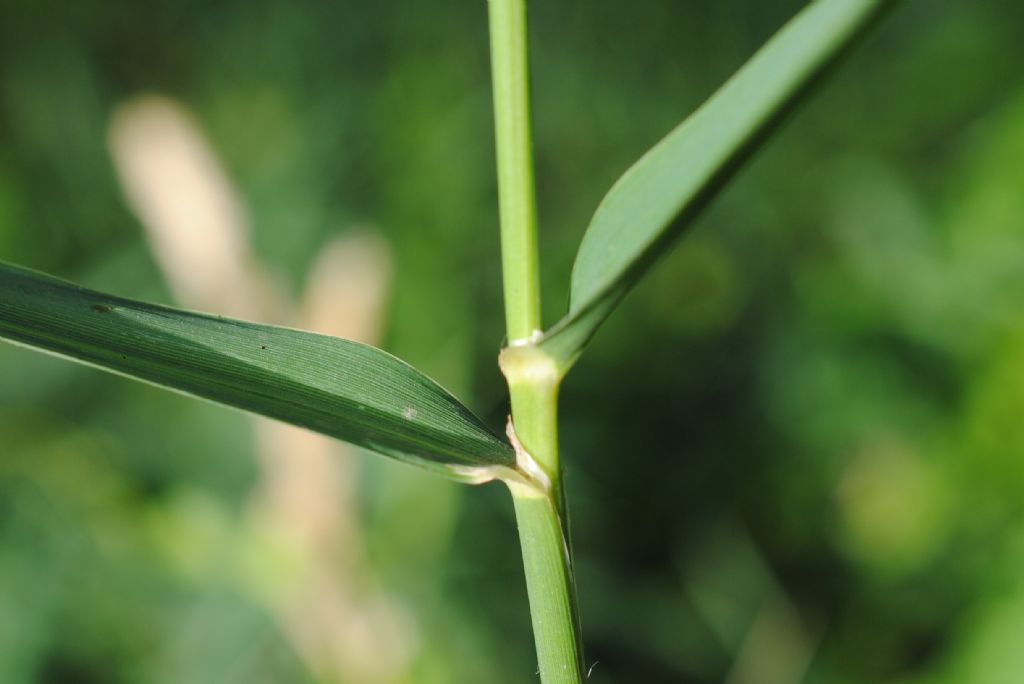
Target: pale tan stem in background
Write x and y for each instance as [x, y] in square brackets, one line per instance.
[196, 225]
[343, 625]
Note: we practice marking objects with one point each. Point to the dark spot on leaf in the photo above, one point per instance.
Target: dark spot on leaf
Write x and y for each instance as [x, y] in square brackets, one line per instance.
[263, 346]
[101, 308]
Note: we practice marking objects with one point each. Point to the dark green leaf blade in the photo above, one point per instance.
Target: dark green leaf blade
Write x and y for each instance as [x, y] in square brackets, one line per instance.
[662, 193]
[340, 388]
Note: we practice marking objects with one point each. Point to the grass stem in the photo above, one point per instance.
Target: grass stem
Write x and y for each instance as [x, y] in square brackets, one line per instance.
[513, 138]
[532, 378]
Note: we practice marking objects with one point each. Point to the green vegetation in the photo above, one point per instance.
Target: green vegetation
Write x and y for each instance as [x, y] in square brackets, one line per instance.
[828, 367]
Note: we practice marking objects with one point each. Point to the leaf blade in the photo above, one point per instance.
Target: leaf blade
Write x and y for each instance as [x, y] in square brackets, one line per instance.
[340, 388]
[662, 193]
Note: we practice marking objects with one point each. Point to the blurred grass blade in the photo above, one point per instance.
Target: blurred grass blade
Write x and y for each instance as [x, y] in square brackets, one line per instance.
[341, 388]
[663, 192]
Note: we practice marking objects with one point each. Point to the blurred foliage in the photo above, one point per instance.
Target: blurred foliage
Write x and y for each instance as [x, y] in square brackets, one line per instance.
[798, 449]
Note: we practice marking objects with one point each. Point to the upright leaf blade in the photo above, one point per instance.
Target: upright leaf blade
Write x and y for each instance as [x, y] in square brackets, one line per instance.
[340, 388]
[662, 193]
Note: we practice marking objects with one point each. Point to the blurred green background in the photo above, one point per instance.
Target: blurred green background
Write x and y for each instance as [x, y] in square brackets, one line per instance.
[796, 454]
